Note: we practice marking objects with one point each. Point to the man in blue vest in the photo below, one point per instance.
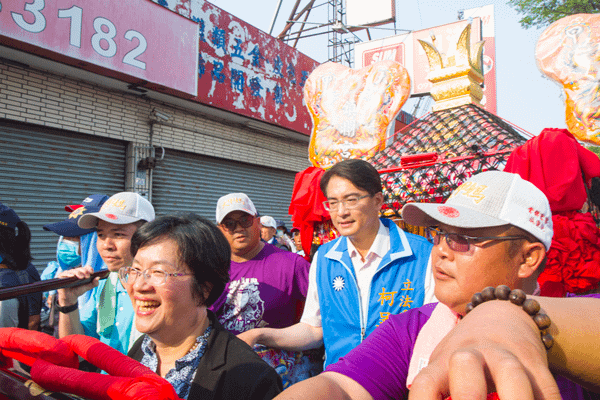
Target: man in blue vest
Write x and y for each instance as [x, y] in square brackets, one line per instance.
[356, 281]
[493, 230]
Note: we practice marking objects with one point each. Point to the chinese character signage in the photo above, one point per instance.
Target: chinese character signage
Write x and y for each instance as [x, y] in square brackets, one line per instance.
[387, 299]
[246, 71]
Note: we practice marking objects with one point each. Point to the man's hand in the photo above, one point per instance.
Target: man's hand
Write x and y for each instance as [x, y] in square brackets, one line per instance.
[50, 300]
[68, 296]
[496, 347]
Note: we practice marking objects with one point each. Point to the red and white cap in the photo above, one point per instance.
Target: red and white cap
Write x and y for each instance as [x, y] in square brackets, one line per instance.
[234, 202]
[120, 209]
[491, 198]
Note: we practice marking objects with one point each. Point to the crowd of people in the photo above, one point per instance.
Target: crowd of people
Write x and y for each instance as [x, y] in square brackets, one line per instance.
[235, 310]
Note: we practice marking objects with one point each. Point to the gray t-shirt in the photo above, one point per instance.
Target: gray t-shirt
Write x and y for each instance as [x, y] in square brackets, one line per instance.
[9, 309]
[9, 313]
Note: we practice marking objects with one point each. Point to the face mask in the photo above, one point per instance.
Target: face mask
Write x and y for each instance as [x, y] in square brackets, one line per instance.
[279, 232]
[68, 254]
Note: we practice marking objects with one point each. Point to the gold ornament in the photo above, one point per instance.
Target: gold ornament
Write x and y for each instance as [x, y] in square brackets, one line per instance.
[457, 77]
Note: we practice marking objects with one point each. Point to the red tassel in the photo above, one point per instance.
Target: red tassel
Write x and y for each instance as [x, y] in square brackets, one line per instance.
[55, 378]
[105, 357]
[54, 364]
[27, 346]
[147, 387]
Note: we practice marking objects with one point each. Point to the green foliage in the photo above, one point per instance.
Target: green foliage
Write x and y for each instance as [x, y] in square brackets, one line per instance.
[541, 13]
[593, 149]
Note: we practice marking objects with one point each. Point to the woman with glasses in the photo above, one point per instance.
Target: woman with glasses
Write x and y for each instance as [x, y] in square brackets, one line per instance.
[180, 266]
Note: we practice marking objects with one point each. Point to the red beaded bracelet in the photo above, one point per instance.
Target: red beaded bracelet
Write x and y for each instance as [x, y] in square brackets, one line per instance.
[518, 297]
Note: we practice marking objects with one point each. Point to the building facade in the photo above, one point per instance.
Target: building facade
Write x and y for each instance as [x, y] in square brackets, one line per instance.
[70, 128]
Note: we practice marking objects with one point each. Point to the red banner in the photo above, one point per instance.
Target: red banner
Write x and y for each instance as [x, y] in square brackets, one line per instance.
[245, 70]
[126, 39]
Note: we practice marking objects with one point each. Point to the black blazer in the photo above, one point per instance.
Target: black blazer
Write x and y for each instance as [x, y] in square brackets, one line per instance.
[228, 370]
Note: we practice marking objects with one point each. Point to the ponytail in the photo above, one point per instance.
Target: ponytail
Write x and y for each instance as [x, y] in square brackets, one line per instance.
[15, 246]
[22, 246]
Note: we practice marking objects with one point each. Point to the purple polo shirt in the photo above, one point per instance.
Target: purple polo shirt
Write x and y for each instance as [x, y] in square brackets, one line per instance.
[380, 364]
[264, 291]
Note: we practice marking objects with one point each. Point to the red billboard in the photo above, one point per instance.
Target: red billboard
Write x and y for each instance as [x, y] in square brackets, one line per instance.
[246, 71]
[394, 52]
[406, 49]
[413, 56]
[136, 40]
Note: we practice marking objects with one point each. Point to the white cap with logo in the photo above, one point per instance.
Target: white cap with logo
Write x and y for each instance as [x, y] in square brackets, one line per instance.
[488, 199]
[121, 208]
[234, 202]
[268, 221]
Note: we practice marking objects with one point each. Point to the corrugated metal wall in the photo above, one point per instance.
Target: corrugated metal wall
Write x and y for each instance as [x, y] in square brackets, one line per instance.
[42, 170]
[189, 182]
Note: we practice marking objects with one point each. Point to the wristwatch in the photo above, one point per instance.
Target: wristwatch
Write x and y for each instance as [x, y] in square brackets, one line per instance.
[67, 309]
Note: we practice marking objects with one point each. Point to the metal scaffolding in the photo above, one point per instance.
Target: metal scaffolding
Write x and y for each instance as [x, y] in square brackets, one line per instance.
[340, 39]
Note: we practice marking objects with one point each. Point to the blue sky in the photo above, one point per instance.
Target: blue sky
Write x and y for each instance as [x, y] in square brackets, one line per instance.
[525, 97]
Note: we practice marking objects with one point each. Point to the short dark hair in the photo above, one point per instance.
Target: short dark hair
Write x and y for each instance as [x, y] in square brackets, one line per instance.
[360, 173]
[202, 247]
[15, 246]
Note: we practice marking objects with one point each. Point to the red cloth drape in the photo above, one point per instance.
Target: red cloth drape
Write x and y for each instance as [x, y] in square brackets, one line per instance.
[573, 264]
[306, 206]
[554, 161]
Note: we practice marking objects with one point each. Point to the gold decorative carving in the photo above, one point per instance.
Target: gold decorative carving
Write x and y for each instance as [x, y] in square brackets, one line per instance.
[457, 78]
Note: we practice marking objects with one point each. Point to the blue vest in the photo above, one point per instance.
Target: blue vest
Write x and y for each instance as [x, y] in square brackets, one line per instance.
[397, 286]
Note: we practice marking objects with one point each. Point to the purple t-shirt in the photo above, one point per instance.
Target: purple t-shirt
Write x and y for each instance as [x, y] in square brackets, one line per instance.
[380, 364]
[263, 292]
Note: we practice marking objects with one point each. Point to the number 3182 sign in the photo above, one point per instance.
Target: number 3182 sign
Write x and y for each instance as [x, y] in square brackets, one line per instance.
[137, 38]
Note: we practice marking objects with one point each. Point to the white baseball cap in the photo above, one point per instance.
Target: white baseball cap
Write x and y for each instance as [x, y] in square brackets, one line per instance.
[121, 208]
[268, 221]
[234, 202]
[488, 199]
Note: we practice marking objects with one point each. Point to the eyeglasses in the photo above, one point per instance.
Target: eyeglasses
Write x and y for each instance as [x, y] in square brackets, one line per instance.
[154, 276]
[245, 222]
[462, 243]
[349, 203]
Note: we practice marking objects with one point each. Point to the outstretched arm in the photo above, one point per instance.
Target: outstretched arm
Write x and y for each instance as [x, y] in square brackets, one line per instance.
[498, 347]
[328, 385]
[298, 337]
[576, 331]
[301, 336]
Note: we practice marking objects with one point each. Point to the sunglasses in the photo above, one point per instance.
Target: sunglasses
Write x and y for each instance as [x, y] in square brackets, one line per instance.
[245, 222]
[462, 243]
